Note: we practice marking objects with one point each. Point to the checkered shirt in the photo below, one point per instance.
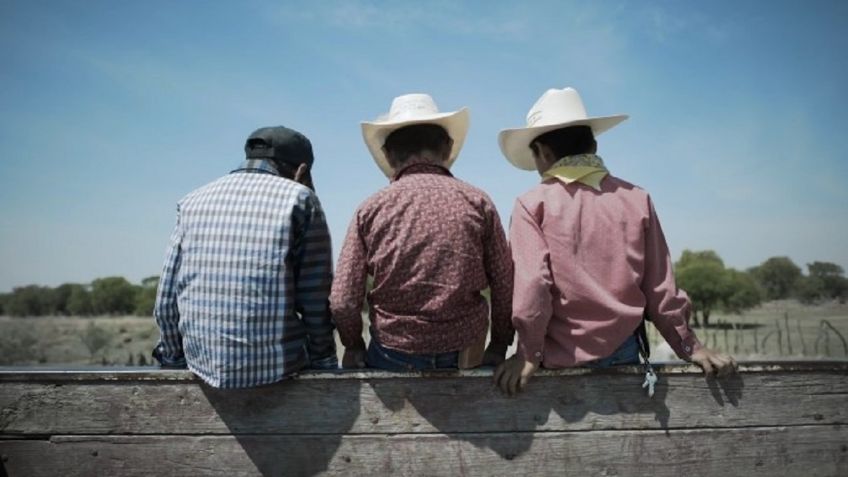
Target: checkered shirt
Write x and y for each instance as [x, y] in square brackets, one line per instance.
[243, 296]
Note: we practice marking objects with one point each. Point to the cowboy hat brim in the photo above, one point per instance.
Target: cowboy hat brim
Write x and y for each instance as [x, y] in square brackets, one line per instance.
[515, 143]
[375, 134]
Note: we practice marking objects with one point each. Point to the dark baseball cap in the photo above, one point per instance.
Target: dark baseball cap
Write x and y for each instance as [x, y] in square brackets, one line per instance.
[280, 144]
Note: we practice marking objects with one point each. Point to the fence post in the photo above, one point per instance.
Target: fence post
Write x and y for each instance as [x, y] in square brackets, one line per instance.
[788, 333]
[801, 337]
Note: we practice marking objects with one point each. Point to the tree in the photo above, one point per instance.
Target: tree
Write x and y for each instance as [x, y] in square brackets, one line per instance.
[810, 290]
[113, 295]
[30, 300]
[61, 297]
[830, 278]
[778, 277]
[702, 275]
[689, 257]
[145, 298]
[79, 302]
[4, 297]
[744, 292]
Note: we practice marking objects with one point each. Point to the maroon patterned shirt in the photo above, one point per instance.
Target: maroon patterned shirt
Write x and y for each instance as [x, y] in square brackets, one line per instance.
[432, 244]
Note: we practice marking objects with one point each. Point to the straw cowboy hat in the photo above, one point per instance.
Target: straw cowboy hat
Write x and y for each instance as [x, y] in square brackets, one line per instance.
[556, 109]
[408, 110]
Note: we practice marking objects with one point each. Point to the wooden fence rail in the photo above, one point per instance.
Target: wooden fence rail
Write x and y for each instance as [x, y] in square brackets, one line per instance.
[770, 419]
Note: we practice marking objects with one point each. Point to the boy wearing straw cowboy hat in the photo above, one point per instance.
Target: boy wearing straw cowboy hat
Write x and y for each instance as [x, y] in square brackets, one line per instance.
[590, 257]
[432, 244]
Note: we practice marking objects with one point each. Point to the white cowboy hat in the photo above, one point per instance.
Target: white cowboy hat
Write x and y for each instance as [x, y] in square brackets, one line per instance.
[557, 108]
[412, 109]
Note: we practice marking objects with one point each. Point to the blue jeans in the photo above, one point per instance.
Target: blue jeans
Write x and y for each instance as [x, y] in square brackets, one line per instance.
[627, 353]
[392, 360]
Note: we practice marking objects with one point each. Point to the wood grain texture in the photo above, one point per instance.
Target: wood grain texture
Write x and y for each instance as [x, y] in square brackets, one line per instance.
[795, 451]
[771, 419]
[423, 404]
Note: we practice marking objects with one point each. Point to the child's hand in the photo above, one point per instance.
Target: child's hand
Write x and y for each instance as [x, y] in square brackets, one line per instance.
[512, 375]
[713, 362]
[354, 358]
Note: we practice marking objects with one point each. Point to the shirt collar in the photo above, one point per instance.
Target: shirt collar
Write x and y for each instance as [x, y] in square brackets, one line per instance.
[257, 166]
[421, 167]
[587, 169]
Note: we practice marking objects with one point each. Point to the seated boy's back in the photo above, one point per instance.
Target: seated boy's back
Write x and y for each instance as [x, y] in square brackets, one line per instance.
[431, 243]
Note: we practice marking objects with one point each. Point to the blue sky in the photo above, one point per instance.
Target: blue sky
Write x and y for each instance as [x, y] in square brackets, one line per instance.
[112, 111]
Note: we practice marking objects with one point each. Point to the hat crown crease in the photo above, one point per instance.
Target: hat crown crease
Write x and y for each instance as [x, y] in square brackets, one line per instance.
[411, 106]
[557, 106]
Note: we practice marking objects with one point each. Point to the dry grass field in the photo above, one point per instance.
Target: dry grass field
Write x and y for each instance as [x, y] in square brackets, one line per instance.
[782, 329]
[776, 330]
[62, 340]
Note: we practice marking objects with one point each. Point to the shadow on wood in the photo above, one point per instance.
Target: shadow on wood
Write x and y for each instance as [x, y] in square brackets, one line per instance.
[790, 421]
[288, 404]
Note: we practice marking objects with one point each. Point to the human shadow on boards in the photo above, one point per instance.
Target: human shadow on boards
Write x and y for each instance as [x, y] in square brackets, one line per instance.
[293, 427]
[469, 407]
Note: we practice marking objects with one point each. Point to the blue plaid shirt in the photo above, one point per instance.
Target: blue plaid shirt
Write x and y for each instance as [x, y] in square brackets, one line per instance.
[242, 299]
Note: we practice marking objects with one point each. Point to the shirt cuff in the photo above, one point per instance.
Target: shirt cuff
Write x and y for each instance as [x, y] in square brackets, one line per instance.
[351, 336]
[687, 347]
[532, 354]
[178, 362]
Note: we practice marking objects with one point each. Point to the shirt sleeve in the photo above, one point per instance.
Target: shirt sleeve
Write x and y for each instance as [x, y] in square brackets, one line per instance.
[531, 298]
[169, 350]
[313, 274]
[349, 287]
[668, 307]
[498, 266]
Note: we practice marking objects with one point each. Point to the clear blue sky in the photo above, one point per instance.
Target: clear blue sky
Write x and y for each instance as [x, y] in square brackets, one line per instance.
[111, 111]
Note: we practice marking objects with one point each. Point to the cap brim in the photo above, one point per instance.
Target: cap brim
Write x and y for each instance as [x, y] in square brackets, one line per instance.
[375, 134]
[515, 143]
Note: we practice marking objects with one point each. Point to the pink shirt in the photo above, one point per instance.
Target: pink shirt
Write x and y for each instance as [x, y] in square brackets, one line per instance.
[587, 265]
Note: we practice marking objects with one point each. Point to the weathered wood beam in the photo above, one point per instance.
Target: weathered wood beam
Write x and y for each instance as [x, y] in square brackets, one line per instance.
[373, 402]
[795, 451]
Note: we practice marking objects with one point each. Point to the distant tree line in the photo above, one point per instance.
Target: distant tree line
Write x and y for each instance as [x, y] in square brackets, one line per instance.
[703, 275]
[104, 296]
[712, 286]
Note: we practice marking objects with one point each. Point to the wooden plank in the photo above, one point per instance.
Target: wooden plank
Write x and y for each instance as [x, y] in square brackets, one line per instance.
[794, 451]
[423, 404]
[151, 373]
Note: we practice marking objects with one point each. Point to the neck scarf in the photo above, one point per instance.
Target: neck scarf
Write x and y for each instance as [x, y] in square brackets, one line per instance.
[586, 169]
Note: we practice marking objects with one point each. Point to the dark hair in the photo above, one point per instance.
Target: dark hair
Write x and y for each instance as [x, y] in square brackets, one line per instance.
[407, 141]
[568, 141]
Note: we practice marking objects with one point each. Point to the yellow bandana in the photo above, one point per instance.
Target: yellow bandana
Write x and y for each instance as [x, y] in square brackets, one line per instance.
[586, 169]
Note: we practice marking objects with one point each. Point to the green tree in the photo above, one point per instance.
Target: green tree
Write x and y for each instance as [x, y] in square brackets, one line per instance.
[830, 278]
[61, 297]
[778, 277]
[4, 297]
[744, 293]
[689, 257]
[113, 296]
[810, 290]
[703, 276]
[145, 297]
[30, 300]
[79, 302]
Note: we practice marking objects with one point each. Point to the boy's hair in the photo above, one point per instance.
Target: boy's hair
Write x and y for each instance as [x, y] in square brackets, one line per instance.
[567, 141]
[410, 140]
